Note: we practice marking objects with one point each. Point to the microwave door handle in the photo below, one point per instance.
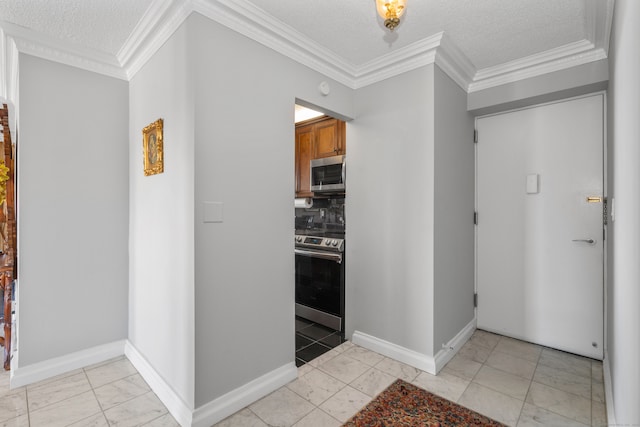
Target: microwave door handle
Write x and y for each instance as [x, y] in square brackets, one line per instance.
[344, 161]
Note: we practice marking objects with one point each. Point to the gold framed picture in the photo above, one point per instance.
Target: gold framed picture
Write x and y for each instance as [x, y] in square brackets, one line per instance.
[152, 148]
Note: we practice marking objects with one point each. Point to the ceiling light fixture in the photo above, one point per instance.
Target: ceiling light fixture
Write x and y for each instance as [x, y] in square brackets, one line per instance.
[391, 11]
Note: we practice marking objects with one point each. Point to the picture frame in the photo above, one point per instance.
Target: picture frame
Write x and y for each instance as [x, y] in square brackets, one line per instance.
[153, 148]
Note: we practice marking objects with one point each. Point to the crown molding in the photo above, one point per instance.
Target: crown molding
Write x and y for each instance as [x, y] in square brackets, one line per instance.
[252, 22]
[157, 25]
[165, 16]
[567, 56]
[32, 43]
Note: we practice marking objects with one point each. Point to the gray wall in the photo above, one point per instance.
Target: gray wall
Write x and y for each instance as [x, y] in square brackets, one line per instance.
[454, 169]
[244, 159]
[72, 213]
[624, 292]
[161, 302]
[390, 213]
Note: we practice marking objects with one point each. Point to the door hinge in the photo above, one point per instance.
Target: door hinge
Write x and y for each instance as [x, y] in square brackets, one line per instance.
[475, 218]
[475, 136]
[475, 300]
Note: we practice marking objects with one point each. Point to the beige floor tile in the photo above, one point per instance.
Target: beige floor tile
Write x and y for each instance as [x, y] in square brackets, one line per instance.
[364, 355]
[21, 421]
[67, 412]
[164, 421]
[597, 373]
[398, 369]
[446, 385]
[598, 414]
[344, 346]
[597, 391]
[282, 408]
[55, 391]
[318, 418]
[97, 420]
[473, 351]
[324, 358]
[345, 403]
[485, 339]
[372, 382]
[135, 412]
[511, 364]
[532, 416]
[109, 372]
[57, 378]
[462, 367]
[563, 380]
[520, 349]
[316, 386]
[305, 369]
[503, 382]
[558, 401]
[120, 391]
[13, 404]
[243, 418]
[344, 368]
[491, 403]
[567, 362]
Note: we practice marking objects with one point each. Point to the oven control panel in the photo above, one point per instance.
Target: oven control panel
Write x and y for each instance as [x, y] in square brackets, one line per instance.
[321, 243]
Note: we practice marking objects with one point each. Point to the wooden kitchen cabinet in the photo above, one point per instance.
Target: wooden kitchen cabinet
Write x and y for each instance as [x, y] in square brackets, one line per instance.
[315, 139]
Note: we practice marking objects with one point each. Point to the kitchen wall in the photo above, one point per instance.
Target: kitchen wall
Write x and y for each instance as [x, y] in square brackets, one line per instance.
[390, 211]
[244, 160]
[161, 240]
[623, 296]
[72, 213]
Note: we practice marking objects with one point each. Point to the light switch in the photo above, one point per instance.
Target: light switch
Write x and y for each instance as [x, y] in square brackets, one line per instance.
[532, 183]
[213, 212]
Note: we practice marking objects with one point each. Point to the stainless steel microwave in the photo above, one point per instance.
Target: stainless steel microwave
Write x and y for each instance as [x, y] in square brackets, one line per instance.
[328, 175]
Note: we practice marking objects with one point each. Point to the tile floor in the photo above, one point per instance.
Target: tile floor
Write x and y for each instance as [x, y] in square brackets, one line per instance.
[518, 383]
[107, 394]
[313, 340]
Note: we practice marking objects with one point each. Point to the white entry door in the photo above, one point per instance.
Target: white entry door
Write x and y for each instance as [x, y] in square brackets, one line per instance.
[540, 201]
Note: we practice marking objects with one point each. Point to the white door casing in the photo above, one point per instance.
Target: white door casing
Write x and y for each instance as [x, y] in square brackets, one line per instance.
[539, 277]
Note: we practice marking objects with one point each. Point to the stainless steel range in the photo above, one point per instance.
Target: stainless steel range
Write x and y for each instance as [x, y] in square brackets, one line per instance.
[320, 279]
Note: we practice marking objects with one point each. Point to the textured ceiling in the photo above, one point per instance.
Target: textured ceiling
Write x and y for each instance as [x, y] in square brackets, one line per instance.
[489, 32]
[103, 25]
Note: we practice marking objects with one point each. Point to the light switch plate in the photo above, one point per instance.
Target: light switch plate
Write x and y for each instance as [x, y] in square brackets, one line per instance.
[213, 212]
[532, 183]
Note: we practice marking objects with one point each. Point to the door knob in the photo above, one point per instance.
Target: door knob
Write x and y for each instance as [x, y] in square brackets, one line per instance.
[590, 241]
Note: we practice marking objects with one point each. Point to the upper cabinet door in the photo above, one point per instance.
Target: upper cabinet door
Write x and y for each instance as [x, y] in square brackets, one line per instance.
[304, 154]
[328, 138]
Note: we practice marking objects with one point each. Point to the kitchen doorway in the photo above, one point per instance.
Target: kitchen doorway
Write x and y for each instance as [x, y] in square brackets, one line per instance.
[540, 201]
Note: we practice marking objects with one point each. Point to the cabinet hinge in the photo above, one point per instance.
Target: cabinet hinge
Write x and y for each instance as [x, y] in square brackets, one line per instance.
[475, 218]
[475, 136]
[475, 300]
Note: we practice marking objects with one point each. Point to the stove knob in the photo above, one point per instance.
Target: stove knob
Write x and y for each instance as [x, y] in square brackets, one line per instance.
[335, 243]
[298, 239]
[327, 242]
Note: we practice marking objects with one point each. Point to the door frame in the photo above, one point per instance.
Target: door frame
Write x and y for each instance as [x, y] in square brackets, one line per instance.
[605, 183]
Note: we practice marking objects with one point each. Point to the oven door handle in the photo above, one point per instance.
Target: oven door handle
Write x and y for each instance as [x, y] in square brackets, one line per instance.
[320, 254]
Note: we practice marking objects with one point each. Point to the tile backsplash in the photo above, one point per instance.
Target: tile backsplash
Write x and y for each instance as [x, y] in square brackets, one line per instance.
[325, 214]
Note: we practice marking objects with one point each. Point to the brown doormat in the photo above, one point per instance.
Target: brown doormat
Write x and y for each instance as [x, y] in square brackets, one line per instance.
[403, 404]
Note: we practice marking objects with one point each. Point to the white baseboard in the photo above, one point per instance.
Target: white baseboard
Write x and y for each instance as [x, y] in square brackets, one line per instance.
[29, 374]
[394, 351]
[176, 406]
[426, 363]
[608, 390]
[452, 347]
[220, 408]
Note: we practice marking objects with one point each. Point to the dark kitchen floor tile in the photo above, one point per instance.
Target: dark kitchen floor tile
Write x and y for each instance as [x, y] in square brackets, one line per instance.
[299, 362]
[309, 353]
[302, 342]
[316, 332]
[332, 340]
[302, 323]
